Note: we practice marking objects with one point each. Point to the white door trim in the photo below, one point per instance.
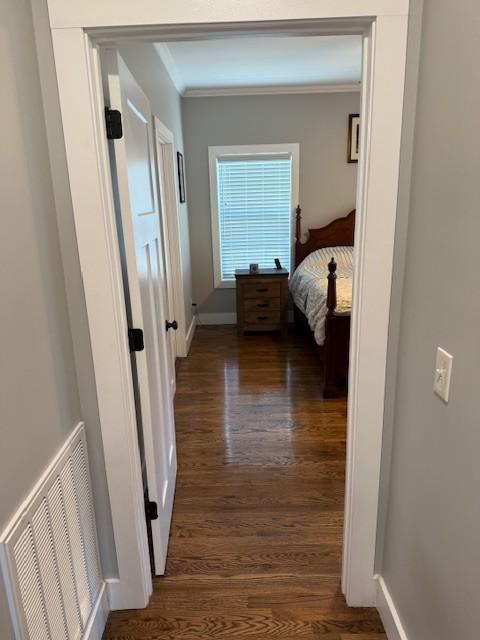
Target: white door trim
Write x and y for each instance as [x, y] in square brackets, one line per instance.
[92, 198]
[147, 15]
[82, 115]
[165, 148]
[377, 190]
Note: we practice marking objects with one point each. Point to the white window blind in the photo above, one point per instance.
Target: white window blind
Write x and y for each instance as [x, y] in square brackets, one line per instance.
[255, 212]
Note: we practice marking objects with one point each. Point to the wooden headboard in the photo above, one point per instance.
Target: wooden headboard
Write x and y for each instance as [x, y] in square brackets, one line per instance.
[338, 233]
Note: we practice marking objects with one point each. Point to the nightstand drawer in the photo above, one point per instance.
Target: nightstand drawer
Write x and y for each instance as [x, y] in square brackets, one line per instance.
[261, 304]
[261, 290]
[262, 318]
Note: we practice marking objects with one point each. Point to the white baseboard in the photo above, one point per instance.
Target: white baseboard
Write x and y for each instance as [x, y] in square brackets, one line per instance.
[191, 333]
[115, 594]
[217, 318]
[98, 619]
[388, 612]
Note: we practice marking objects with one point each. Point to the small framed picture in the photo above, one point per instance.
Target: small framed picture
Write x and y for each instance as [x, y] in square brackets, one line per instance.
[353, 137]
[253, 268]
[181, 177]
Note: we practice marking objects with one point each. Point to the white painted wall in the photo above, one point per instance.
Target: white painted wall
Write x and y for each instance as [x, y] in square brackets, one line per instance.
[319, 122]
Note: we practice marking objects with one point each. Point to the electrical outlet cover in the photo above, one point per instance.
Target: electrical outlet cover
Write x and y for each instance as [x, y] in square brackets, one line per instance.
[443, 373]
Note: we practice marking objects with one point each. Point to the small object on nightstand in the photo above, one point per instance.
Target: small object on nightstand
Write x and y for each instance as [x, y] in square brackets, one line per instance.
[262, 300]
[277, 263]
[253, 268]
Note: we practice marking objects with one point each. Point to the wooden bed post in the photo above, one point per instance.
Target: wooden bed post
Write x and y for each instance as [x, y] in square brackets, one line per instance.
[337, 330]
[332, 288]
[335, 350]
[298, 225]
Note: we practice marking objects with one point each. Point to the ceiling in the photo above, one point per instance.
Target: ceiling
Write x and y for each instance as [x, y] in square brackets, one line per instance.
[263, 64]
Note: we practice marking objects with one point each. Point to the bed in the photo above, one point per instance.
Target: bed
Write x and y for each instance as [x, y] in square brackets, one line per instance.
[321, 288]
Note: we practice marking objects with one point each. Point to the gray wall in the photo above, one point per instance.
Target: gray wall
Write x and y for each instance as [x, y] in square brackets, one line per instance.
[327, 182]
[145, 64]
[40, 403]
[38, 382]
[431, 560]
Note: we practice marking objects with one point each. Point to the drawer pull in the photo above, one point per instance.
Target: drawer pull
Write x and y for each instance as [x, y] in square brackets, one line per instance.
[263, 305]
[262, 317]
[261, 290]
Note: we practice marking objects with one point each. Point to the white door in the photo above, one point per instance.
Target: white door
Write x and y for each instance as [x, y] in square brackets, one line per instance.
[163, 154]
[145, 275]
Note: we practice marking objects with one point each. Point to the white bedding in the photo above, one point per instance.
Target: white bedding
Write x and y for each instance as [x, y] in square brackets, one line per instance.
[309, 284]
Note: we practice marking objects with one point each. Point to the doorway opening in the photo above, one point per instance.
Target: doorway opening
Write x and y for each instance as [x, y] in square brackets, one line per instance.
[290, 143]
[383, 48]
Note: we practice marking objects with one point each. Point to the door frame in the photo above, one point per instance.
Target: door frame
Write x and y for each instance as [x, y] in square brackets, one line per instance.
[77, 31]
[168, 191]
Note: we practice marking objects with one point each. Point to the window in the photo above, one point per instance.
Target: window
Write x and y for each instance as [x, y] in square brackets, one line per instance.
[253, 191]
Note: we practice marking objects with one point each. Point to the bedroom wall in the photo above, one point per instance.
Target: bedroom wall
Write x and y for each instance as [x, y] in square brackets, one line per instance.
[144, 62]
[430, 561]
[319, 122]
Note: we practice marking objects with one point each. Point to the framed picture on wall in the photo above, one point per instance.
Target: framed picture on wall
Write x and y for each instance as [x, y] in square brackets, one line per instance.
[181, 177]
[353, 137]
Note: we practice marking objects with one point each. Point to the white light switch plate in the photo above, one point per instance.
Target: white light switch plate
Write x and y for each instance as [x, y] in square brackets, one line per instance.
[443, 373]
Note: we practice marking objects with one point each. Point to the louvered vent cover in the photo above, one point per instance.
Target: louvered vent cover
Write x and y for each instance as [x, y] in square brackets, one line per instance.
[49, 551]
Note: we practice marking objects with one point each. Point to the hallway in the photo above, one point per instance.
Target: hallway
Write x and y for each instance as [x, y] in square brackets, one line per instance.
[256, 538]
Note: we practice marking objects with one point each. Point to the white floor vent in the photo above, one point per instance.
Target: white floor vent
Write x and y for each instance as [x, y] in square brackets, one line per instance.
[49, 554]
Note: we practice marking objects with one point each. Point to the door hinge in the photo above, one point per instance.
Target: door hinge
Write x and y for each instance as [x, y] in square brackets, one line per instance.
[135, 340]
[151, 510]
[113, 122]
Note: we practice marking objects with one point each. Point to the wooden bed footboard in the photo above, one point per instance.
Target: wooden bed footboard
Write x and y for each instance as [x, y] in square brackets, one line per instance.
[335, 351]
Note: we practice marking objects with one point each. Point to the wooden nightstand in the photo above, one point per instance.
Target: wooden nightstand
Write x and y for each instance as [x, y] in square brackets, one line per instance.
[262, 300]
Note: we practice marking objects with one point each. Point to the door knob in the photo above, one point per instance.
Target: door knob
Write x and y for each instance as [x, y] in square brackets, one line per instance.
[171, 325]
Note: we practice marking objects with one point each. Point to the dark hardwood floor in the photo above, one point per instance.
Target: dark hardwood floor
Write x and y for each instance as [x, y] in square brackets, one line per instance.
[255, 548]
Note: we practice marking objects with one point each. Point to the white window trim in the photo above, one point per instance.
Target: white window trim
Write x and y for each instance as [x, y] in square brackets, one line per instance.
[293, 149]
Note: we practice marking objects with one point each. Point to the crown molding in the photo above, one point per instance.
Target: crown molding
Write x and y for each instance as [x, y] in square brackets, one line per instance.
[273, 90]
[169, 63]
